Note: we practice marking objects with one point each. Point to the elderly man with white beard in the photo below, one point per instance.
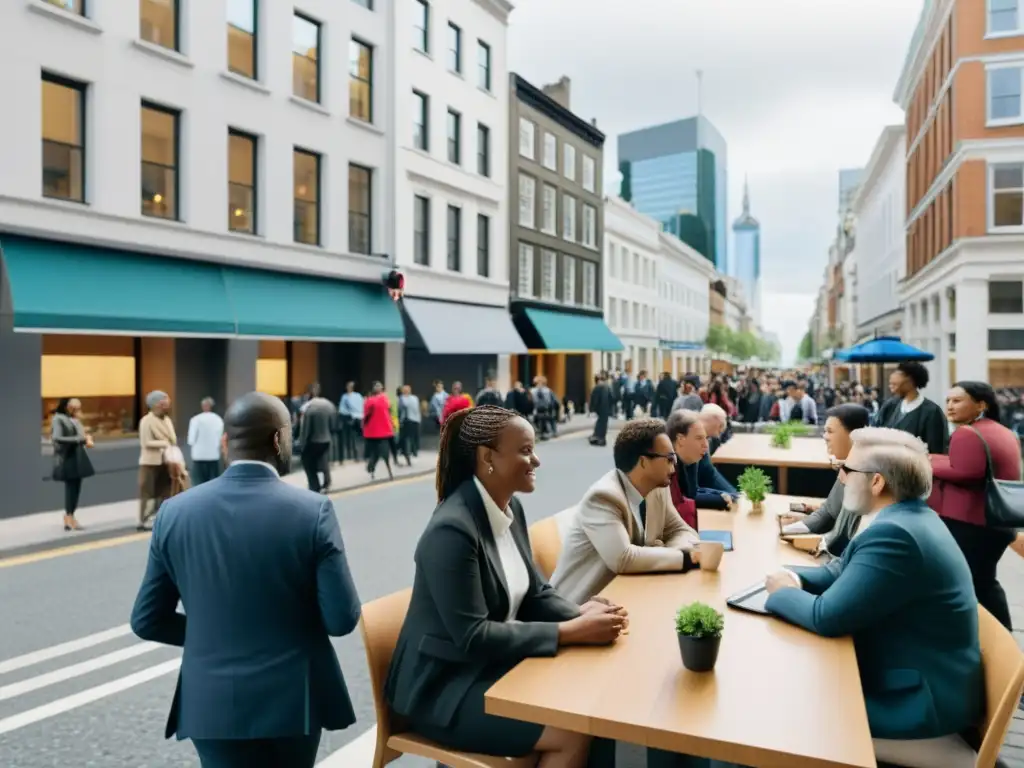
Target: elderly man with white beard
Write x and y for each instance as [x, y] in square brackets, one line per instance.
[903, 590]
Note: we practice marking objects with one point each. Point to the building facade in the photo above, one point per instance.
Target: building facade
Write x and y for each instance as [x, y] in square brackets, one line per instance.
[555, 238]
[684, 287]
[746, 256]
[963, 293]
[451, 201]
[164, 199]
[880, 253]
[677, 174]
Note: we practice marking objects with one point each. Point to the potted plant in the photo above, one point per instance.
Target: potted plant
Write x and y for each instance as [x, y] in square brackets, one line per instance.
[755, 485]
[699, 629]
[782, 436]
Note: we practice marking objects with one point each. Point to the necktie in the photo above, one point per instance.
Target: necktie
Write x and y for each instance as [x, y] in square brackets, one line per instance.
[643, 514]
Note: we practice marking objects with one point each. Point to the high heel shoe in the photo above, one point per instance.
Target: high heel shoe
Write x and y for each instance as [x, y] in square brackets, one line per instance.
[75, 526]
[67, 522]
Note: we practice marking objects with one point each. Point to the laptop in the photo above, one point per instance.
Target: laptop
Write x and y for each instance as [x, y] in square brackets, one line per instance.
[750, 599]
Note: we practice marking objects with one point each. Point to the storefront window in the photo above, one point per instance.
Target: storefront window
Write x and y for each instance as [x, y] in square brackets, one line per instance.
[100, 371]
[272, 368]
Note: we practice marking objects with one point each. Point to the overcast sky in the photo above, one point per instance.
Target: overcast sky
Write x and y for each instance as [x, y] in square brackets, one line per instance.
[799, 89]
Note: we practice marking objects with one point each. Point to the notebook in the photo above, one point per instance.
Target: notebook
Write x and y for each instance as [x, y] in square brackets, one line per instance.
[751, 599]
[725, 537]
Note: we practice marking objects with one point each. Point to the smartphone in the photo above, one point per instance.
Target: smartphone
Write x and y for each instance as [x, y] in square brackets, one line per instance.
[798, 506]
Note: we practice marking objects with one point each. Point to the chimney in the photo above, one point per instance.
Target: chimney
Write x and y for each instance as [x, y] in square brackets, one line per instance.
[559, 92]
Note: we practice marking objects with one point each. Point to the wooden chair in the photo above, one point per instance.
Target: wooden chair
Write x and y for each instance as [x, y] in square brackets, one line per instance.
[546, 543]
[381, 622]
[1003, 664]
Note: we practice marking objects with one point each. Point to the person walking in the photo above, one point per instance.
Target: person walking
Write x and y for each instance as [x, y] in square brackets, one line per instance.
[71, 464]
[601, 405]
[377, 429]
[156, 435]
[260, 569]
[409, 416]
[350, 410]
[205, 431]
[315, 436]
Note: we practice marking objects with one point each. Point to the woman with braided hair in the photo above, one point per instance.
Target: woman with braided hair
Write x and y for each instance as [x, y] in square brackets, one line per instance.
[479, 606]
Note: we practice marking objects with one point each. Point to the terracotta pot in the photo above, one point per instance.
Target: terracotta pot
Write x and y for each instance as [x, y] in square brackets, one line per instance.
[757, 507]
[699, 653]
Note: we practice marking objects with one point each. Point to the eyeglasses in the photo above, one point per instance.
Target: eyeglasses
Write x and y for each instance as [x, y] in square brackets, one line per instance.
[847, 469]
[671, 455]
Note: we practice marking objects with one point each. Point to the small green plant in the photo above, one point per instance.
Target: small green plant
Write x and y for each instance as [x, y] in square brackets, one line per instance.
[754, 484]
[783, 434]
[699, 620]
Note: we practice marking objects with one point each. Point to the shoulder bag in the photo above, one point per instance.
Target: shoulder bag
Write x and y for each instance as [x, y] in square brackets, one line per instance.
[1004, 499]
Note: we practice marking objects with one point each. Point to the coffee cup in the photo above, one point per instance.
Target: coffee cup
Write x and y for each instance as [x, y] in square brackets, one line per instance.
[710, 554]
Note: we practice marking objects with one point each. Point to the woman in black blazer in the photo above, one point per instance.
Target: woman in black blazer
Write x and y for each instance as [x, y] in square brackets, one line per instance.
[479, 606]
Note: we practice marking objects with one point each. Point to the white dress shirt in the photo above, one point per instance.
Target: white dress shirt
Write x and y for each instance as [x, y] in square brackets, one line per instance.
[516, 576]
[635, 500]
[204, 434]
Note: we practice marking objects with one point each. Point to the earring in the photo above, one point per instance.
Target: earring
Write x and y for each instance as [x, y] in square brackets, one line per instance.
[490, 469]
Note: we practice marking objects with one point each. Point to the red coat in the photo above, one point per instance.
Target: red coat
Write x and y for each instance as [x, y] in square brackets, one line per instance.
[958, 487]
[377, 417]
[680, 486]
[454, 403]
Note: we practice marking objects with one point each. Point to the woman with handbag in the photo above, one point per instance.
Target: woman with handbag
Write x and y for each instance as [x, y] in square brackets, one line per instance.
[71, 464]
[960, 486]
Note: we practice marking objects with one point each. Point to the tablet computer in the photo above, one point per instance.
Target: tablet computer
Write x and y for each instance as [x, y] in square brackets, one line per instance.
[751, 599]
[723, 537]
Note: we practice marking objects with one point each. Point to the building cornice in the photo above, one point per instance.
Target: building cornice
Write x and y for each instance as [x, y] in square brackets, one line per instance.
[499, 9]
[672, 244]
[530, 94]
[888, 142]
[933, 18]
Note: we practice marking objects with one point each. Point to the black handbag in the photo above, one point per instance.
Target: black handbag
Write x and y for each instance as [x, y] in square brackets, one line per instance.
[1004, 499]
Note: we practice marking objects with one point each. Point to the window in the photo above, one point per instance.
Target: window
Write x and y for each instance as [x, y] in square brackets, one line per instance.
[1004, 95]
[568, 279]
[550, 211]
[76, 7]
[569, 218]
[589, 284]
[454, 238]
[527, 201]
[1007, 184]
[63, 139]
[483, 245]
[100, 371]
[550, 151]
[421, 26]
[548, 261]
[483, 149]
[1005, 297]
[1003, 16]
[454, 49]
[307, 196]
[589, 174]
[421, 121]
[241, 182]
[159, 162]
[272, 367]
[613, 313]
[305, 58]
[421, 230]
[360, 209]
[454, 137]
[525, 288]
[613, 260]
[589, 226]
[483, 65]
[158, 22]
[625, 313]
[360, 80]
[570, 161]
[242, 44]
[526, 138]
[625, 264]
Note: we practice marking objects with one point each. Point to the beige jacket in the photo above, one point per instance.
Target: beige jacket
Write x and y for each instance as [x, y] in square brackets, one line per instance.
[604, 539]
[155, 435]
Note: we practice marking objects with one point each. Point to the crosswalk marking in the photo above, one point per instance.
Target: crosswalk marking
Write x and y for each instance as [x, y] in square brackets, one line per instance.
[56, 651]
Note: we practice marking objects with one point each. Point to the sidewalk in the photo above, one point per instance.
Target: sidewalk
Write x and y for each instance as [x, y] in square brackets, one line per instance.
[1011, 576]
[37, 530]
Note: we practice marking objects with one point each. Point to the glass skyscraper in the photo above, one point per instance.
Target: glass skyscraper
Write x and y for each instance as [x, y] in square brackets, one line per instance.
[747, 257]
[677, 174]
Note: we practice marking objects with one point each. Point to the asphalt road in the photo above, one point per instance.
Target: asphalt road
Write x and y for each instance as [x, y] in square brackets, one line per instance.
[102, 701]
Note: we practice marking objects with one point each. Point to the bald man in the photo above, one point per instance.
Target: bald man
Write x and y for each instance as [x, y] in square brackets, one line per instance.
[260, 568]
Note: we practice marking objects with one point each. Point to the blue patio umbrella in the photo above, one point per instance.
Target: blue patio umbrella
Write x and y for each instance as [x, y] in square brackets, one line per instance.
[883, 349]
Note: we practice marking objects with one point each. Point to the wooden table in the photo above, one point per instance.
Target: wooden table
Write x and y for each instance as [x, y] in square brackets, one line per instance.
[779, 697]
[757, 451]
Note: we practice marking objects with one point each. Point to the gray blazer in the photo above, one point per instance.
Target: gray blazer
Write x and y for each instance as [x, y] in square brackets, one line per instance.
[317, 422]
[835, 524]
[604, 540]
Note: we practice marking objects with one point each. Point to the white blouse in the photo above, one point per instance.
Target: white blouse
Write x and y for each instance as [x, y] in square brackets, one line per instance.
[516, 575]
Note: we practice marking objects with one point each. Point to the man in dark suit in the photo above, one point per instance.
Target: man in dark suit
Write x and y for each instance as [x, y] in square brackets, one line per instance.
[260, 569]
[316, 433]
[601, 405]
[904, 592]
[665, 395]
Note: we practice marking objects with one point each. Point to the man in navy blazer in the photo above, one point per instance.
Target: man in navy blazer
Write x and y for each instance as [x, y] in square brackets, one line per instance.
[260, 568]
[903, 590]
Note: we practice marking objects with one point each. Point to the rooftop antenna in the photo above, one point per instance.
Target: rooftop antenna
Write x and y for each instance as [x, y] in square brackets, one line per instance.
[700, 92]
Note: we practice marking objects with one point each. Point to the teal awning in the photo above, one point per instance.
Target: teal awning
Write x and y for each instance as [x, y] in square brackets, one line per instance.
[61, 287]
[567, 332]
[287, 306]
[52, 286]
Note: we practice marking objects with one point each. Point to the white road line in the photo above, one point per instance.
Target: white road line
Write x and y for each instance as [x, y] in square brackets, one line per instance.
[60, 706]
[358, 753]
[75, 670]
[55, 651]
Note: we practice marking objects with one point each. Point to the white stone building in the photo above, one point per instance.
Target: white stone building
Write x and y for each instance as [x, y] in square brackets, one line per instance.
[684, 278]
